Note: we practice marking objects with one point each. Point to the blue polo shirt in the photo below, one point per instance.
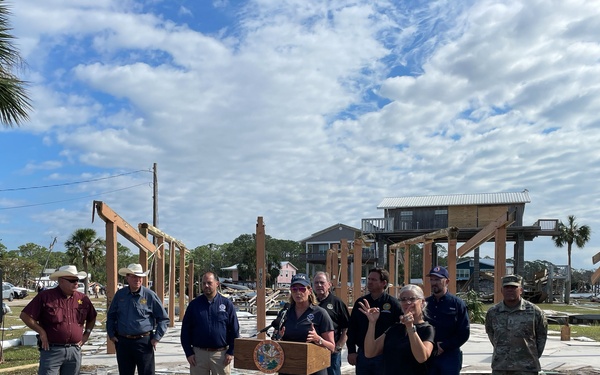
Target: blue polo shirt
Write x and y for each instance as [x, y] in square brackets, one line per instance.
[136, 313]
[297, 327]
[207, 324]
[450, 318]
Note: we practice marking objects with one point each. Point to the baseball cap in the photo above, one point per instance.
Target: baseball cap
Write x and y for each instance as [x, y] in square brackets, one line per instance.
[439, 272]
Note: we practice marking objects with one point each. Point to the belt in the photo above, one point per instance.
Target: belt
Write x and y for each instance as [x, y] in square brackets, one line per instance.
[64, 345]
[135, 337]
[214, 349]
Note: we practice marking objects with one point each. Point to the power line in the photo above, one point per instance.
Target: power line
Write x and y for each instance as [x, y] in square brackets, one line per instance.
[72, 199]
[74, 183]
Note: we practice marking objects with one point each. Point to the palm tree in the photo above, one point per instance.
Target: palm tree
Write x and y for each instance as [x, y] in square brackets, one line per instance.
[14, 101]
[569, 234]
[83, 244]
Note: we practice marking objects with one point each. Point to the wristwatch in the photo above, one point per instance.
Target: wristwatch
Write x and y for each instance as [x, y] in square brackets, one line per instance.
[87, 331]
[338, 348]
[320, 341]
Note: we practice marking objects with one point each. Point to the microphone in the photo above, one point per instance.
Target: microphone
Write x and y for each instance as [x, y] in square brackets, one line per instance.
[277, 322]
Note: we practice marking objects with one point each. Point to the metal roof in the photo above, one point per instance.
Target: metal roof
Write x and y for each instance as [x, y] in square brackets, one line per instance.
[456, 200]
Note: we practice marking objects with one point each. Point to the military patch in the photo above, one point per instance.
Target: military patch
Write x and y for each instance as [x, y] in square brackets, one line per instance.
[222, 307]
[330, 306]
[386, 306]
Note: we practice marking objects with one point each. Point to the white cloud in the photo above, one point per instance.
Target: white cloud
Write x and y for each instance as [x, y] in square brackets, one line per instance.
[276, 115]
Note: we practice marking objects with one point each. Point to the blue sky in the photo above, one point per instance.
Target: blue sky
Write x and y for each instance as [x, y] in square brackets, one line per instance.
[307, 113]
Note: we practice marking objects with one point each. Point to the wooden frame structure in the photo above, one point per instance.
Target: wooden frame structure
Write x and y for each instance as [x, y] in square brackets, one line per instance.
[115, 224]
[428, 239]
[496, 229]
[173, 243]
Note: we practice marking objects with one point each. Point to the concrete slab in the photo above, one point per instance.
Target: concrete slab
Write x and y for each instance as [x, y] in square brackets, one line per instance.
[560, 357]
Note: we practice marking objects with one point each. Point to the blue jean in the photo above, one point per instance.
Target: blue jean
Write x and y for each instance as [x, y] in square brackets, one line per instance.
[60, 360]
[449, 363]
[368, 366]
[335, 367]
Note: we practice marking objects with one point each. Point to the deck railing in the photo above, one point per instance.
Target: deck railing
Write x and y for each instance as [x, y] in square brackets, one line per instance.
[378, 225]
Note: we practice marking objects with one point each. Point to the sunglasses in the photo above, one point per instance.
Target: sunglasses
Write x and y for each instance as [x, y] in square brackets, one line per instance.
[296, 289]
[70, 280]
[409, 299]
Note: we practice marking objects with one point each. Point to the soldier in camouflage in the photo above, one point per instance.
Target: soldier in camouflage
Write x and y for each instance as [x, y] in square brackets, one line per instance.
[517, 329]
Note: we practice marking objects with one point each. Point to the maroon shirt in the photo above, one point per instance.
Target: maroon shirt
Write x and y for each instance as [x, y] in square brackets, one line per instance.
[62, 318]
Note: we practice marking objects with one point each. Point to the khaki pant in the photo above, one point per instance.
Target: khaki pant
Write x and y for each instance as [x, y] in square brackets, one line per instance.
[210, 363]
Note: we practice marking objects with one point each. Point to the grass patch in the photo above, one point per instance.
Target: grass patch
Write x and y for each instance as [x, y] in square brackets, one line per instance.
[19, 356]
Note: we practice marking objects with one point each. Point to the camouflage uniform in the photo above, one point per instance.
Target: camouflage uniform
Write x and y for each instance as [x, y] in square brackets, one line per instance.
[518, 335]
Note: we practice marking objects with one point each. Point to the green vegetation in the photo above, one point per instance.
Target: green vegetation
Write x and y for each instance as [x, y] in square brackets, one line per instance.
[569, 234]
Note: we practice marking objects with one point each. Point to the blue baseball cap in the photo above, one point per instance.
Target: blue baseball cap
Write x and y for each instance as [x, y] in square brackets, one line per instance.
[440, 272]
[300, 278]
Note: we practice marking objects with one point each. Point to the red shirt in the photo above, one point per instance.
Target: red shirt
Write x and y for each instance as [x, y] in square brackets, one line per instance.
[62, 318]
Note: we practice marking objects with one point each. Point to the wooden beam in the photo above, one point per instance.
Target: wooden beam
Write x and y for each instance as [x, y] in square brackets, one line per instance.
[427, 263]
[441, 233]
[111, 272]
[596, 276]
[335, 269]
[171, 306]
[486, 233]
[158, 233]
[596, 258]
[182, 284]
[499, 261]
[407, 264]
[159, 268]
[392, 271]
[123, 227]
[357, 267]
[261, 267]
[452, 265]
[343, 294]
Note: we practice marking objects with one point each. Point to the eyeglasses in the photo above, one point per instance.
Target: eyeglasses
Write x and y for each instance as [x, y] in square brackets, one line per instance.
[409, 299]
[70, 280]
[296, 289]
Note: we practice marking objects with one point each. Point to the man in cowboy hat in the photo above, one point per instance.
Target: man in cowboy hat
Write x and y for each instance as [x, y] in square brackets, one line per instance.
[63, 319]
[136, 321]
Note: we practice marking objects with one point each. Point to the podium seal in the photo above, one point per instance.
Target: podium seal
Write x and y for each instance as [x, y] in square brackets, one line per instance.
[268, 356]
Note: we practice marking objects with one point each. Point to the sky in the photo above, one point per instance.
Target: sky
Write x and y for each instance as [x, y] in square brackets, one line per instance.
[306, 113]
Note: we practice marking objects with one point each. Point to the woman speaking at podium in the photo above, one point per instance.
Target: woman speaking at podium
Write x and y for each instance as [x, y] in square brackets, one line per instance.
[305, 321]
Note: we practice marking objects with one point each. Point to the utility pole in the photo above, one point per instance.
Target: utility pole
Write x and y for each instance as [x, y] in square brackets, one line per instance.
[154, 220]
[155, 199]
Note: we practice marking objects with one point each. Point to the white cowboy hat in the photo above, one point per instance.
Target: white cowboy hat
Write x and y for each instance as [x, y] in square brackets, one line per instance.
[133, 268]
[68, 271]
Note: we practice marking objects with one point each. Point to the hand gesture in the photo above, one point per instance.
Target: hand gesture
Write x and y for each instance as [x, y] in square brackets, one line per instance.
[407, 319]
[372, 313]
[312, 334]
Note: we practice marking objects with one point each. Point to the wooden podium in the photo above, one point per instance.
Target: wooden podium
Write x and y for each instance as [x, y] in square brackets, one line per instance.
[299, 358]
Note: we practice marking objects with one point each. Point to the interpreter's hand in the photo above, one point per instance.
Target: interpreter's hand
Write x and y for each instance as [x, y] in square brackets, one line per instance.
[154, 342]
[352, 359]
[44, 340]
[227, 360]
[192, 360]
[408, 320]
[312, 335]
[372, 313]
